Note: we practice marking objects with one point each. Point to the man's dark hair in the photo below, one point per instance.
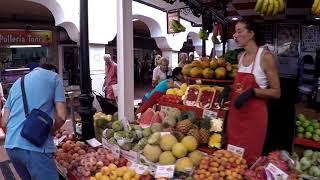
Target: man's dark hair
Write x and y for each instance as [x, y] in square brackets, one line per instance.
[49, 67]
[176, 71]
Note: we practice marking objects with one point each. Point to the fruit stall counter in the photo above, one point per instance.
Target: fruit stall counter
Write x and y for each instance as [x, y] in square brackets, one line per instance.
[307, 143]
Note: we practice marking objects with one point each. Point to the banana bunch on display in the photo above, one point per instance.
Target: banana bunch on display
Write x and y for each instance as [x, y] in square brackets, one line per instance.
[177, 27]
[316, 7]
[269, 7]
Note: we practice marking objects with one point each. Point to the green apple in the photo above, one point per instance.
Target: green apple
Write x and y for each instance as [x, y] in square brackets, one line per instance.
[298, 123]
[301, 117]
[310, 129]
[308, 135]
[317, 131]
[300, 129]
[316, 137]
[305, 124]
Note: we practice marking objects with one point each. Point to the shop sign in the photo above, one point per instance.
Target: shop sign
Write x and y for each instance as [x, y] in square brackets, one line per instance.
[11, 37]
[172, 15]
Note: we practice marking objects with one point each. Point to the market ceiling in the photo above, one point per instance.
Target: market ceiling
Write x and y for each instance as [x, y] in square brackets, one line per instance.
[295, 10]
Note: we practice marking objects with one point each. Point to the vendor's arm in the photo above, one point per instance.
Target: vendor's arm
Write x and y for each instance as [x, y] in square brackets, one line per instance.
[155, 78]
[5, 117]
[270, 67]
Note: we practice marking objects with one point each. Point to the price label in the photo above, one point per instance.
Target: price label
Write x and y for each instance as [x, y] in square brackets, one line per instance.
[164, 133]
[235, 149]
[164, 171]
[94, 142]
[57, 141]
[198, 81]
[130, 155]
[138, 168]
[115, 150]
[276, 173]
[209, 114]
[62, 170]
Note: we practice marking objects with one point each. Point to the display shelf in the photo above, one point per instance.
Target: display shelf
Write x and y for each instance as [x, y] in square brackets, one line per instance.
[198, 111]
[206, 149]
[307, 143]
[213, 81]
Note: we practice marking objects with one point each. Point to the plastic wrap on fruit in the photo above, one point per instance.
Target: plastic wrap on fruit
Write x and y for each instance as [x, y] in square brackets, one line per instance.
[206, 97]
[216, 125]
[190, 99]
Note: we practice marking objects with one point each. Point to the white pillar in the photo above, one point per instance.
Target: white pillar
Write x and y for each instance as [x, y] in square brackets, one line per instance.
[125, 60]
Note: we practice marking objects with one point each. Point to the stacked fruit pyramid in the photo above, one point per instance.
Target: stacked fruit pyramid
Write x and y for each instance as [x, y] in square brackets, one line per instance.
[210, 69]
[308, 129]
[221, 165]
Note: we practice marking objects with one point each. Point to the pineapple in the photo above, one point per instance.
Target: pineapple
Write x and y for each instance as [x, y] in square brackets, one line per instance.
[195, 133]
[184, 126]
[178, 135]
[204, 131]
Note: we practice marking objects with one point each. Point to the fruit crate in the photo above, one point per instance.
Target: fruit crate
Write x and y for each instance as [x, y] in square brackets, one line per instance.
[307, 143]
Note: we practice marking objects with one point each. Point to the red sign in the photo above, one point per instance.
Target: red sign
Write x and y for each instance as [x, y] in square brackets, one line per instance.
[25, 37]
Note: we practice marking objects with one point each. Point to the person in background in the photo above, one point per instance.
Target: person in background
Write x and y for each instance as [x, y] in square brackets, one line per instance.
[191, 57]
[257, 80]
[110, 77]
[161, 72]
[172, 81]
[157, 60]
[44, 89]
[183, 59]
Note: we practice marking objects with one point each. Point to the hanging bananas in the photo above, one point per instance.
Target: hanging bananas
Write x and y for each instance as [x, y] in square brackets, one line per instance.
[269, 7]
[316, 7]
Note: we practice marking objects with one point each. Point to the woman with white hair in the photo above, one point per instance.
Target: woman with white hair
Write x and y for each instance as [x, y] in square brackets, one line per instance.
[183, 59]
[161, 72]
[110, 77]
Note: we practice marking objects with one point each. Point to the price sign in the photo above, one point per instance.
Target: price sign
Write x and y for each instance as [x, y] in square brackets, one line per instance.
[115, 150]
[59, 140]
[139, 168]
[93, 142]
[164, 133]
[209, 114]
[276, 173]
[235, 149]
[130, 155]
[198, 81]
[164, 171]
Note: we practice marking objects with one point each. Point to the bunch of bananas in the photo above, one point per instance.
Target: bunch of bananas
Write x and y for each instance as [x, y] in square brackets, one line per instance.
[316, 7]
[177, 27]
[203, 34]
[269, 7]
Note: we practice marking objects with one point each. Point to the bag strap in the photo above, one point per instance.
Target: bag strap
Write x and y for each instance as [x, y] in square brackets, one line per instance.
[24, 97]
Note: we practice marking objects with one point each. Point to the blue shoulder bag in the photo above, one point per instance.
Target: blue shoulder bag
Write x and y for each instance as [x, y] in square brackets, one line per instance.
[37, 125]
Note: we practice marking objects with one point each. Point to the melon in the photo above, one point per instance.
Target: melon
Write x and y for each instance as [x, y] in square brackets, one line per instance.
[184, 164]
[190, 143]
[205, 63]
[152, 152]
[196, 72]
[167, 158]
[221, 62]
[179, 150]
[213, 63]
[186, 69]
[208, 73]
[196, 63]
[167, 141]
[220, 73]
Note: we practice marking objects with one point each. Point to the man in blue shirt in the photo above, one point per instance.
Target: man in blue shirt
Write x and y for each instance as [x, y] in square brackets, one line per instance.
[44, 90]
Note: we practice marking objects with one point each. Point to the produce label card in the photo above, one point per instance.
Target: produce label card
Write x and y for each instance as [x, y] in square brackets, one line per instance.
[62, 170]
[57, 141]
[198, 81]
[138, 168]
[277, 174]
[165, 171]
[130, 155]
[93, 142]
[235, 149]
[164, 133]
[209, 114]
[115, 150]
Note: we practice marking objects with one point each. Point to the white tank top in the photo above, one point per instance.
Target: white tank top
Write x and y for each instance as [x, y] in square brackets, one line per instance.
[259, 74]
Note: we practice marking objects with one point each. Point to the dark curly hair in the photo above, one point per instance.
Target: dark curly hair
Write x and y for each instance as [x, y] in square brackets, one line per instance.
[256, 28]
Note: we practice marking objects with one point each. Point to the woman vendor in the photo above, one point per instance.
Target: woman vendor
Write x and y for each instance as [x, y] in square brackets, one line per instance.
[256, 81]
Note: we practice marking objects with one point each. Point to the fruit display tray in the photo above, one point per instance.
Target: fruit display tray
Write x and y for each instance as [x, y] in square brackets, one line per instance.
[213, 81]
[307, 143]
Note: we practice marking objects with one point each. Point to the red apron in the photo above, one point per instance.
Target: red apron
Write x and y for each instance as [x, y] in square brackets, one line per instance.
[247, 126]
